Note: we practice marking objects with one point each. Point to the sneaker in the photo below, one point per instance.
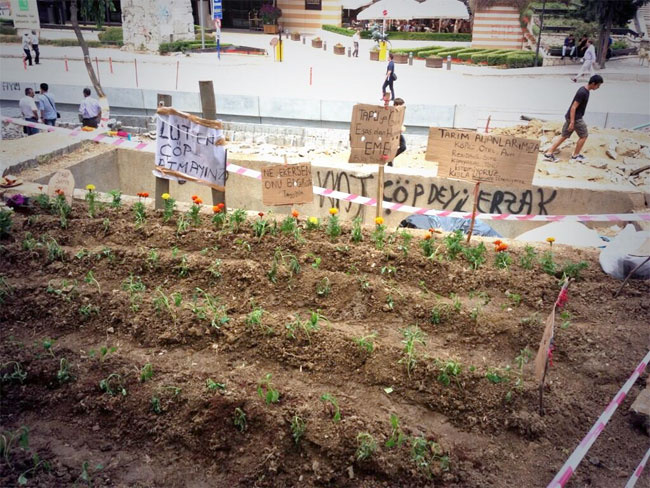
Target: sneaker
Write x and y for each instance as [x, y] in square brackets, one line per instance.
[574, 80]
[550, 157]
[579, 157]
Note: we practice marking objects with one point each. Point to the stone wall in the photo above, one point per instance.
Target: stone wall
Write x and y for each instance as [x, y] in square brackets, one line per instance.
[147, 23]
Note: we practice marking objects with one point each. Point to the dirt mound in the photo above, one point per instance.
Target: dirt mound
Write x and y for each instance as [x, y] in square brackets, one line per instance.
[225, 319]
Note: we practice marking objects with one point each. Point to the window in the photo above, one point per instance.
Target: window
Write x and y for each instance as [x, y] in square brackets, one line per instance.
[313, 4]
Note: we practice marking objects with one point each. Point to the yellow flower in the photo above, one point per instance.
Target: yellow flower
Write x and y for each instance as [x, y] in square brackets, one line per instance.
[334, 211]
[90, 187]
[550, 240]
[313, 220]
[379, 220]
[165, 196]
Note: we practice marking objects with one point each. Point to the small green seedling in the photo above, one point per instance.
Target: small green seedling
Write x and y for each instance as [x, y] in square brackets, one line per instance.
[366, 342]
[214, 386]
[329, 399]
[146, 373]
[366, 446]
[266, 391]
[298, 428]
[104, 351]
[112, 384]
[63, 374]
[240, 419]
[397, 437]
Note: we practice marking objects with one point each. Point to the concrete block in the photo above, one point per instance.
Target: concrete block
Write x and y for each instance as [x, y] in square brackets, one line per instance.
[640, 410]
[336, 110]
[242, 105]
[429, 115]
[290, 108]
[626, 121]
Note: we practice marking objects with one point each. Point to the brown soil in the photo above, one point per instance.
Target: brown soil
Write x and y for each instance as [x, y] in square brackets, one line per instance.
[492, 433]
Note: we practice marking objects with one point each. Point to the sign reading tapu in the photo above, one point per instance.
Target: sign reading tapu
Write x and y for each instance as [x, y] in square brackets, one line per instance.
[374, 133]
[190, 148]
[492, 158]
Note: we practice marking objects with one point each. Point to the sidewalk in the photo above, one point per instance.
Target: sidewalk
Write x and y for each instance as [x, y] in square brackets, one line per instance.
[338, 77]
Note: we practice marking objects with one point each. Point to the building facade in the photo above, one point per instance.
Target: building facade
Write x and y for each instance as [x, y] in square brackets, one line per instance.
[497, 26]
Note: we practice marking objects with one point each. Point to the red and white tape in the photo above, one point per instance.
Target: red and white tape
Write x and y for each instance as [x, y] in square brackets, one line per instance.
[637, 472]
[349, 197]
[571, 464]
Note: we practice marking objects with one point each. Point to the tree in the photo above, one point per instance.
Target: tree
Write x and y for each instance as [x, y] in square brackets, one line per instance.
[608, 13]
[94, 10]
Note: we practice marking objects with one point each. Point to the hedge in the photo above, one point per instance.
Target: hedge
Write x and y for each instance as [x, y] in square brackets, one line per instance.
[445, 52]
[405, 36]
[112, 35]
[7, 30]
[496, 59]
[522, 59]
[178, 46]
[415, 50]
[482, 57]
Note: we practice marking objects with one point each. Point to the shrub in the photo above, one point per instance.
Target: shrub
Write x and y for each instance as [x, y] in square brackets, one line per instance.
[7, 30]
[4, 38]
[497, 58]
[482, 56]
[522, 59]
[112, 35]
[415, 50]
[615, 44]
[338, 30]
[451, 51]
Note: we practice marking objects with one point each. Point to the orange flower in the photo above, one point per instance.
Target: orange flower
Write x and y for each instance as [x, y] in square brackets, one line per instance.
[427, 237]
[216, 209]
[40, 188]
[145, 195]
[194, 197]
[221, 205]
[294, 214]
[502, 247]
[261, 214]
[198, 201]
[334, 211]
[497, 242]
[59, 191]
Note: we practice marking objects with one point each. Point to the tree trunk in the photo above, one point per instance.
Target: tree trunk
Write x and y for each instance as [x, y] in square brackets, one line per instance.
[603, 41]
[84, 48]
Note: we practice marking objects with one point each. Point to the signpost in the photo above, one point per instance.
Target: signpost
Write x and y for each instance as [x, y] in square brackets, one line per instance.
[472, 156]
[287, 184]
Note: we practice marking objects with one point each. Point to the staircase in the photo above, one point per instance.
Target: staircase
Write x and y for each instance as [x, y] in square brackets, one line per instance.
[643, 16]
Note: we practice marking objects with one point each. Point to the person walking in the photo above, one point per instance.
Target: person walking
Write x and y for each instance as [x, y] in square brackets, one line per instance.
[27, 47]
[90, 112]
[390, 77]
[588, 61]
[573, 121]
[37, 52]
[355, 41]
[49, 113]
[30, 110]
[569, 45]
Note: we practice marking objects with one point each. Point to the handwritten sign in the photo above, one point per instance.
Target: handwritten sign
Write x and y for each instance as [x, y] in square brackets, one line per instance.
[61, 180]
[190, 148]
[471, 156]
[287, 184]
[374, 133]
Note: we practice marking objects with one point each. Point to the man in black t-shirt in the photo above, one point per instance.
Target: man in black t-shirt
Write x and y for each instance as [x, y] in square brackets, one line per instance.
[574, 121]
[390, 77]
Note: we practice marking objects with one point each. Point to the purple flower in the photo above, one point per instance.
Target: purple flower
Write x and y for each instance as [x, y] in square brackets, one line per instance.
[16, 200]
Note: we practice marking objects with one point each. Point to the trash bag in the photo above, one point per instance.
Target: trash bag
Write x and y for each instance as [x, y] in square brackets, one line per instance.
[625, 252]
[448, 224]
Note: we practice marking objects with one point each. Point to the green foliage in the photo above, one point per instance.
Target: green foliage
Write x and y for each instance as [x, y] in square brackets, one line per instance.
[406, 242]
[475, 255]
[95, 10]
[411, 36]
[146, 373]
[412, 337]
[240, 420]
[112, 35]
[523, 59]
[214, 386]
[188, 45]
[323, 288]
[397, 437]
[515, 298]
[439, 313]
[54, 251]
[140, 213]
[156, 407]
[298, 428]
[17, 374]
[366, 342]
[59, 206]
[448, 370]
[7, 30]
[266, 391]
[183, 268]
[527, 261]
[425, 453]
[495, 375]
[9, 438]
[116, 196]
[565, 315]
[454, 244]
[306, 327]
[207, 307]
[135, 288]
[357, 235]
[112, 384]
[572, 270]
[5, 222]
[548, 265]
[329, 399]
[103, 351]
[366, 446]
[333, 229]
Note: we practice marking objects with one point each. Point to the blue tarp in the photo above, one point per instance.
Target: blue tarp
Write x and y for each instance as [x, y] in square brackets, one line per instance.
[448, 224]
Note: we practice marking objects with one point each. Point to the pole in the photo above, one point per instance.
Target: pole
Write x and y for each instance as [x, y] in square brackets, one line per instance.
[135, 64]
[471, 225]
[66, 64]
[177, 65]
[541, 28]
[110, 64]
[311, 75]
[201, 22]
[209, 111]
[97, 65]
[487, 124]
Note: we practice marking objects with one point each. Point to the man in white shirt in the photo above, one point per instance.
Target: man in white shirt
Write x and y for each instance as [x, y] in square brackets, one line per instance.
[588, 61]
[27, 42]
[29, 110]
[37, 53]
[90, 111]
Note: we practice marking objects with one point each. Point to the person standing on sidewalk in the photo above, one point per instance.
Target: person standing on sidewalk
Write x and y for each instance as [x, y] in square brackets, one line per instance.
[355, 41]
[588, 61]
[574, 121]
[90, 112]
[48, 106]
[37, 52]
[29, 110]
[27, 47]
[390, 77]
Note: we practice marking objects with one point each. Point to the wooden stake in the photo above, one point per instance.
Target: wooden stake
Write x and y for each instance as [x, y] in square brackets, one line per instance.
[380, 190]
[209, 110]
[471, 225]
[162, 184]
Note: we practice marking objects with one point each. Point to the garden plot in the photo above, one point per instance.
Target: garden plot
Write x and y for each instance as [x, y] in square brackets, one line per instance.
[143, 348]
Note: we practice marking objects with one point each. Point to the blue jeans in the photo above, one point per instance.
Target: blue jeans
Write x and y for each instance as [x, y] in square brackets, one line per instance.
[51, 122]
[30, 131]
[389, 84]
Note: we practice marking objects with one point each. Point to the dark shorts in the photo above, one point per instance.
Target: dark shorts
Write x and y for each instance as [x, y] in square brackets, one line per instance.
[91, 122]
[579, 126]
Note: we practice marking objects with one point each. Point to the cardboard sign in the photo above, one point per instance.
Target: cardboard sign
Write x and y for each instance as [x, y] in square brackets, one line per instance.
[287, 184]
[471, 156]
[542, 352]
[374, 133]
[190, 148]
[61, 180]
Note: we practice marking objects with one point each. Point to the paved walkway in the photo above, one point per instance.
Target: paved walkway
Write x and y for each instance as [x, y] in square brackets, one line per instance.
[546, 89]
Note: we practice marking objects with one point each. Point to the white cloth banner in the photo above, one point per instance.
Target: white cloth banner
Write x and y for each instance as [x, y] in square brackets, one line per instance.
[190, 148]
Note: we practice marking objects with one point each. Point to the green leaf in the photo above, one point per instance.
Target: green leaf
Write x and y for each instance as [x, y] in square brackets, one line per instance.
[22, 480]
